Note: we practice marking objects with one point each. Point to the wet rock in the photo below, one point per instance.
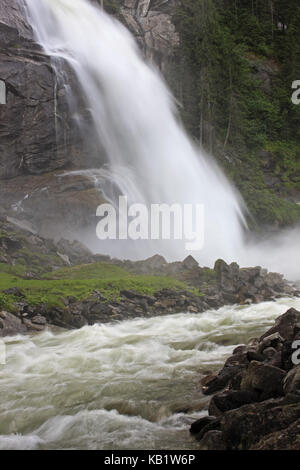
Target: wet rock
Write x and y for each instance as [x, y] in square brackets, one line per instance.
[270, 352]
[292, 381]
[30, 326]
[11, 325]
[264, 379]
[201, 423]
[217, 382]
[213, 440]
[274, 341]
[285, 325]
[229, 400]
[245, 426]
[255, 356]
[276, 360]
[39, 320]
[237, 359]
[285, 439]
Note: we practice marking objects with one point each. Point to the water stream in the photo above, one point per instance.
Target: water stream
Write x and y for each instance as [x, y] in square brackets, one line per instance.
[131, 385]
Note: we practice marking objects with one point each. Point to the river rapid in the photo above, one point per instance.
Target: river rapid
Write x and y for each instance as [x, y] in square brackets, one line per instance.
[130, 385]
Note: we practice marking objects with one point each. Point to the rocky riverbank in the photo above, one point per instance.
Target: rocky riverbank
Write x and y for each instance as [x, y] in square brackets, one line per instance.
[256, 396]
[45, 282]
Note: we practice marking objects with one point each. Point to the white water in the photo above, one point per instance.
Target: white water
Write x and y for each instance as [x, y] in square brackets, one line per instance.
[121, 386]
[135, 121]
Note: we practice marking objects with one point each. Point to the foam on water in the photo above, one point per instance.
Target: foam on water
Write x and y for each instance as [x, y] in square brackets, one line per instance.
[130, 385]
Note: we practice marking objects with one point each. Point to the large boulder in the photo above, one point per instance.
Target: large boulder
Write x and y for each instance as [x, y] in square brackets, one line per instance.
[230, 400]
[265, 379]
[10, 325]
[292, 381]
[245, 426]
[285, 325]
[285, 439]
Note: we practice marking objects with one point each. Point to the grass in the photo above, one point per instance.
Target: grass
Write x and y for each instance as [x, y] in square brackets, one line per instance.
[80, 282]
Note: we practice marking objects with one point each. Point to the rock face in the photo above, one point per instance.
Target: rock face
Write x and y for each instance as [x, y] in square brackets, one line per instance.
[258, 401]
[39, 139]
[151, 23]
[30, 140]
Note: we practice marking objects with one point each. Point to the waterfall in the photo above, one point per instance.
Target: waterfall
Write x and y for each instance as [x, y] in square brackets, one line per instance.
[150, 157]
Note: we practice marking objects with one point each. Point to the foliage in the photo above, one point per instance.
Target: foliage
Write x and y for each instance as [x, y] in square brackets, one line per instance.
[80, 282]
[237, 61]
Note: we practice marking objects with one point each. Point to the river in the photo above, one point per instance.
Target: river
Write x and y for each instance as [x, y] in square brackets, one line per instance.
[130, 385]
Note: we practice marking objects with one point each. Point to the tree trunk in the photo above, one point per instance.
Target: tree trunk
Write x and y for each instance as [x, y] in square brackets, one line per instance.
[230, 111]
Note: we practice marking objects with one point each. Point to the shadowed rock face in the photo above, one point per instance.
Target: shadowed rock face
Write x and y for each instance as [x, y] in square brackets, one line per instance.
[38, 137]
[30, 139]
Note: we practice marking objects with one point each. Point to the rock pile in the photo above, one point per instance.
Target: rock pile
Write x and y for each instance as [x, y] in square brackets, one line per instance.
[256, 401]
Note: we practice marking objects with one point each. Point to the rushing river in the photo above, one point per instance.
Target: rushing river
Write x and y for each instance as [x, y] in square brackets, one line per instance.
[131, 385]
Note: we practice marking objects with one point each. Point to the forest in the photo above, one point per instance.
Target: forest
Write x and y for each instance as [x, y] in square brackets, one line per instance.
[237, 62]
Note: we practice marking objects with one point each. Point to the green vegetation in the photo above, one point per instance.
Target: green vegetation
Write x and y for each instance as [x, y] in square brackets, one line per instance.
[80, 282]
[233, 76]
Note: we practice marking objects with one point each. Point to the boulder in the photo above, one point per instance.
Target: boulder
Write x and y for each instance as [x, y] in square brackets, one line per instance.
[215, 383]
[213, 440]
[201, 423]
[274, 341]
[11, 325]
[285, 325]
[285, 439]
[229, 400]
[244, 427]
[291, 382]
[265, 379]
[190, 263]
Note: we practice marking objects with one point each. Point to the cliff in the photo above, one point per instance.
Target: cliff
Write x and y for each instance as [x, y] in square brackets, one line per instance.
[39, 139]
[230, 72]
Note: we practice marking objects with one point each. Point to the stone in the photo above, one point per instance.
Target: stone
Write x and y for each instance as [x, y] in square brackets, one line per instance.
[201, 423]
[274, 340]
[39, 320]
[269, 352]
[291, 382]
[33, 326]
[10, 325]
[217, 382]
[229, 400]
[243, 427]
[254, 356]
[284, 325]
[285, 439]
[14, 291]
[190, 263]
[213, 440]
[263, 378]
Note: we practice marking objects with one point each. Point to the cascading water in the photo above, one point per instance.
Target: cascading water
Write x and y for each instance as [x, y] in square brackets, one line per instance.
[136, 124]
